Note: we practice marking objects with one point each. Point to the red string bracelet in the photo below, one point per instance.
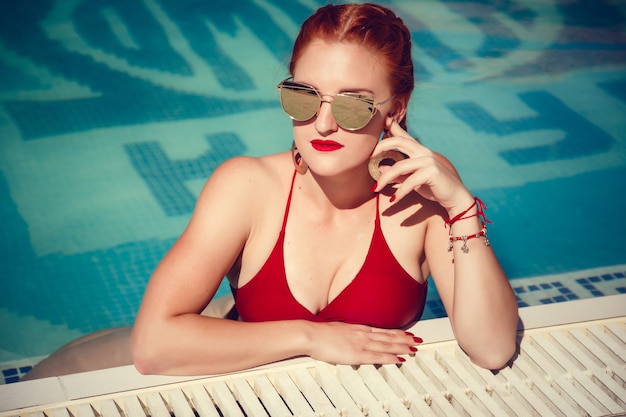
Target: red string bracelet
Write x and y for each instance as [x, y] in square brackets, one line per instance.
[462, 215]
[465, 238]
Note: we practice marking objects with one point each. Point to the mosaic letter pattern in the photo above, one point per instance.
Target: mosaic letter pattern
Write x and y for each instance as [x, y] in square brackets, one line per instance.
[114, 112]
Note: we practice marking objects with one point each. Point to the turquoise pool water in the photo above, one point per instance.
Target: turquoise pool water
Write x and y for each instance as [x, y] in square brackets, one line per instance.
[113, 113]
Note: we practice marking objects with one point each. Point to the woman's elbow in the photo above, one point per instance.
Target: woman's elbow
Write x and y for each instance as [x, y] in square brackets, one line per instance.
[143, 364]
[496, 358]
[144, 355]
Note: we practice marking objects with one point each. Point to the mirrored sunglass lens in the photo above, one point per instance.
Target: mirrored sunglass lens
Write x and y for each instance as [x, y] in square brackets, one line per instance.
[351, 113]
[299, 102]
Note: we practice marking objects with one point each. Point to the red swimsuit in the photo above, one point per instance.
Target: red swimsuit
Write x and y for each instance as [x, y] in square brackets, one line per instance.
[382, 294]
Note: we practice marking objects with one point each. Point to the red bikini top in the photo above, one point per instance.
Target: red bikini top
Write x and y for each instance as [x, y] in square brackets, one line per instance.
[382, 294]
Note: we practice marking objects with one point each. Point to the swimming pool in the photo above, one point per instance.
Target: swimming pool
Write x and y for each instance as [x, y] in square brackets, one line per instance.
[114, 113]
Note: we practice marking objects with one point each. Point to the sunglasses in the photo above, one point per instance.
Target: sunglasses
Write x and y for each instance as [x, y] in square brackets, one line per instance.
[352, 111]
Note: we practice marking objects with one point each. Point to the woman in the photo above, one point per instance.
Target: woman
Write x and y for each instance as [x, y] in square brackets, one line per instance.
[323, 260]
[345, 58]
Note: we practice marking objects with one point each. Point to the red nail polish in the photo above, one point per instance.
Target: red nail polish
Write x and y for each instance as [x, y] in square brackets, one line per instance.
[409, 334]
[401, 359]
[373, 189]
[392, 199]
[413, 349]
[418, 340]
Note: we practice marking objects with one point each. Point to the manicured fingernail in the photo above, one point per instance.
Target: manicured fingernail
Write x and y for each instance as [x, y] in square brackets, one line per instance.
[373, 189]
[417, 339]
[413, 349]
[392, 199]
[401, 359]
[409, 334]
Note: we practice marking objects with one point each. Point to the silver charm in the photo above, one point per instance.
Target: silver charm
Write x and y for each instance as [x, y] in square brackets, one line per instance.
[464, 248]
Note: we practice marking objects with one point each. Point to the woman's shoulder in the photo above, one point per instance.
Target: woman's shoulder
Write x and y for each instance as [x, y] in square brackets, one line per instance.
[241, 187]
[243, 167]
[248, 175]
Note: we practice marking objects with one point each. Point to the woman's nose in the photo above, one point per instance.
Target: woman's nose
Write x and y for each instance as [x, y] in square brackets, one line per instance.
[325, 122]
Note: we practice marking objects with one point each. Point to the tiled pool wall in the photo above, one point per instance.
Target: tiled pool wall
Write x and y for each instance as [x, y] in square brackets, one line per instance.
[114, 113]
[597, 282]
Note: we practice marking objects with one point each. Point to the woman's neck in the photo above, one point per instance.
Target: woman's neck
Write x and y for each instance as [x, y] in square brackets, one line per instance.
[343, 192]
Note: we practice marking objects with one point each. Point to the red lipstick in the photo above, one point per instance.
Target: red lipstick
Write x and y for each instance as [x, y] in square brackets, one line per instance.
[325, 145]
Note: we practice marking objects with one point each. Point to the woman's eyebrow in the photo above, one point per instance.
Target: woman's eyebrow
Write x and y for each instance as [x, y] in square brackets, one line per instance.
[359, 90]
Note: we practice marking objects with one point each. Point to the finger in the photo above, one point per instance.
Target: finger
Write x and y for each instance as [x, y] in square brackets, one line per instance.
[406, 335]
[377, 358]
[383, 161]
[395, 348]
[396, 337]
[388, 331]
[399, 172]
[407, 146]
[397, 130]
[386, 346]
[414, 182]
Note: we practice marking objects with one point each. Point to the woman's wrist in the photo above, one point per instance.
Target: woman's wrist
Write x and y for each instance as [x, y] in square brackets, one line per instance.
[468, 224]
[304, 337]
[461, 204]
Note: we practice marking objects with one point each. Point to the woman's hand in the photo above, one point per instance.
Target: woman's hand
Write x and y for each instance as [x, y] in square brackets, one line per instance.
[424, 171]
[353, 344]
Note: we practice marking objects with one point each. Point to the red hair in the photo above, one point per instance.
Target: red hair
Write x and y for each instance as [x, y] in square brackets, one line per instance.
[374, 27]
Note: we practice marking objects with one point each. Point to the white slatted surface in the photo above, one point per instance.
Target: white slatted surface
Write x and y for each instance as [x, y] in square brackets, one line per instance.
[569, 370]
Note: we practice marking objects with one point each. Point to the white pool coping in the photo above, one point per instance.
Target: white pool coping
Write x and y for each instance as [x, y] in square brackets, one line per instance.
[125, 378]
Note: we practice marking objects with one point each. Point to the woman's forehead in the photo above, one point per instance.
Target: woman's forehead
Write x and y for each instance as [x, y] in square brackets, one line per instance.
[346, 63]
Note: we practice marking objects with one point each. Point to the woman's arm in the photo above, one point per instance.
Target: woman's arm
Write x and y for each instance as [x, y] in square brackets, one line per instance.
[170, 336]
[473, 287]
[474, 290]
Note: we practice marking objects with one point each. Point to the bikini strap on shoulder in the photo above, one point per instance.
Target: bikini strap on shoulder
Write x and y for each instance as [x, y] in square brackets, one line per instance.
[288, 205]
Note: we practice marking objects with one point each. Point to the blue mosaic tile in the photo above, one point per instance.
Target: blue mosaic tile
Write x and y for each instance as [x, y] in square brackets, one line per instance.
[437, 308]
[11, 380]
[12, 375]
[166, 178]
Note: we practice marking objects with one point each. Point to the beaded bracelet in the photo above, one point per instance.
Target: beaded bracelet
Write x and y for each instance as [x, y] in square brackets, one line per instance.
[480, 212]
[462, 215]
[465, 238]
